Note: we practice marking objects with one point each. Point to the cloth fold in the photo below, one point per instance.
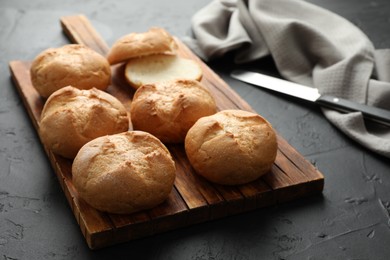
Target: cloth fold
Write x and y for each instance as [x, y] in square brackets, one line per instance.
[309, 45]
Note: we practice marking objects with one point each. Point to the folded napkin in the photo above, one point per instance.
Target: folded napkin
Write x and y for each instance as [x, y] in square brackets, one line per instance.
[310, 46]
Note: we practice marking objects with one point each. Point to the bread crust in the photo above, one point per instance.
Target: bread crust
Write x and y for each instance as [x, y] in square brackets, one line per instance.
[71, 117]
[124, 173]
[70, 65]
[231, 147]
[169, 109]
[155, 41]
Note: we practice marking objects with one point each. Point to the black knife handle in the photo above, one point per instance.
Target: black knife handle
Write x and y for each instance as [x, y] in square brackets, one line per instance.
[375, 114]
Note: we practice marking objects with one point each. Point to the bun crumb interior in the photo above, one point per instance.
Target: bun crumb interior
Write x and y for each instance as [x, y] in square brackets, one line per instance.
[156, 68]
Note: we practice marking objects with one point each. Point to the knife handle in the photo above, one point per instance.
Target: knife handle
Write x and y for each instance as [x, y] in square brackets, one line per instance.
[375, 114]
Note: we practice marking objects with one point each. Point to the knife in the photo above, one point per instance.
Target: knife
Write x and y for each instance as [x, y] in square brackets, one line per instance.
[310, 94]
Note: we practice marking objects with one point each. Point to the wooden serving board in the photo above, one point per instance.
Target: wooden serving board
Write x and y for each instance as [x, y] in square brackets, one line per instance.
[193, 199]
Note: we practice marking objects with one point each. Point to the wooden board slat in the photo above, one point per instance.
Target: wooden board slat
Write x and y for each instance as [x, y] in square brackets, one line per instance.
[193, 199]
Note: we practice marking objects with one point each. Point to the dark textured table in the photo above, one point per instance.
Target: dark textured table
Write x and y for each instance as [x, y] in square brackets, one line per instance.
[350, 220]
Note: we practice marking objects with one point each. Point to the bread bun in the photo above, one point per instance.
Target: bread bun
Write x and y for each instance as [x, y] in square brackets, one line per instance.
[70, 65]
[154, 68]
[71, 117]
[124, 173]
[168, 109]
[154, 41]
[231, 147]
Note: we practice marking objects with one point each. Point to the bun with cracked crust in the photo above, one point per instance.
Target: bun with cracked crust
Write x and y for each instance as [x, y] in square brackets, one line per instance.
[124, 173]
[231, 147]
[71, 117]
[169, 109]
[70, 65]
[155, 41]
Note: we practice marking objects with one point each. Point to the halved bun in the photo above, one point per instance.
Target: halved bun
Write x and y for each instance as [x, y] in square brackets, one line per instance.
[154, 41]
[155, 68]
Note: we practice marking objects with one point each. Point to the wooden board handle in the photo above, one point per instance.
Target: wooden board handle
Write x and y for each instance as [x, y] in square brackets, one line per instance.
[79, 30]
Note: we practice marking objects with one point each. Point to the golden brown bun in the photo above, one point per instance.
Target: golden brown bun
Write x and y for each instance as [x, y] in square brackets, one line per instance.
[154, 41]
[155, 68]
[70, 65]
[124, 173]
[71, 117]
[231, 147]
[168, 109]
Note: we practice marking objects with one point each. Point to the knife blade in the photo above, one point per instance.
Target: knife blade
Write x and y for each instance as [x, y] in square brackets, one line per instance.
[310, 94]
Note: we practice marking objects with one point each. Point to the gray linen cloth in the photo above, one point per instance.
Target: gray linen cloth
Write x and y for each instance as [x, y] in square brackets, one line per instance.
[309, 45]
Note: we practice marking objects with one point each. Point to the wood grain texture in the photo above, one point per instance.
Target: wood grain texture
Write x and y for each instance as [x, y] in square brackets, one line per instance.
[193, 199]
